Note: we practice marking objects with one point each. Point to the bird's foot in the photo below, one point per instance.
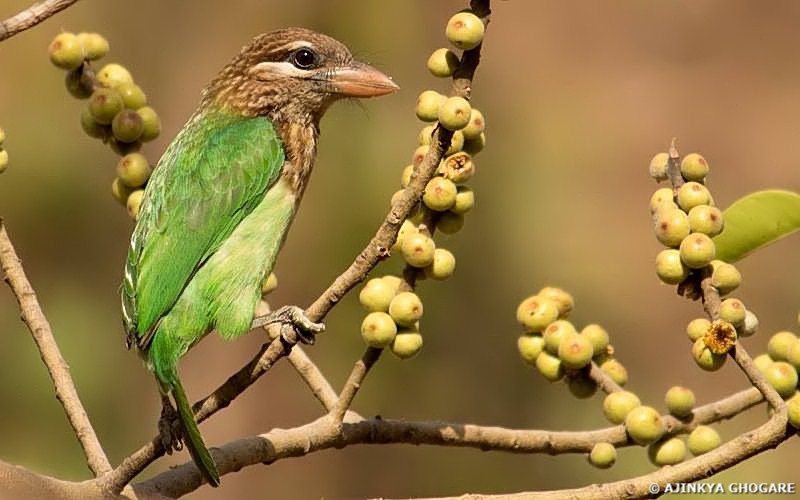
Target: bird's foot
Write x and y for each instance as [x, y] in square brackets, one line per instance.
[292, 317]
[169, 427]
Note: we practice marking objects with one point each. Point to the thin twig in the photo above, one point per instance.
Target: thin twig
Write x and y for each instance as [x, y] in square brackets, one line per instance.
[32, 16]
[603, 380]
[313, 377]
[353, 384]
[57, 367]
[324, 433]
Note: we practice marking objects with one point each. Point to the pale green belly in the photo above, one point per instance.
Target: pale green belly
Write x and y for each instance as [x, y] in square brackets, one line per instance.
[222, 295]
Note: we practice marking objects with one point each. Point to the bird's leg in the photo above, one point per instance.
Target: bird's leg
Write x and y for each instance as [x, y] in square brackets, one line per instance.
[291, 317]
[169, 427]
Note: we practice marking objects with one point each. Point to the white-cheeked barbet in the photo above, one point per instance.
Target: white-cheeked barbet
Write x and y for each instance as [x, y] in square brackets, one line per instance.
[222, 197]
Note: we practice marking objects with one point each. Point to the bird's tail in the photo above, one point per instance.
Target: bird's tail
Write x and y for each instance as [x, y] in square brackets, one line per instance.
[192, 438]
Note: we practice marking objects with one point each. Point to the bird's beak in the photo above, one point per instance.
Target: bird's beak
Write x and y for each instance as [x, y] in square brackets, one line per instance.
[360, 80]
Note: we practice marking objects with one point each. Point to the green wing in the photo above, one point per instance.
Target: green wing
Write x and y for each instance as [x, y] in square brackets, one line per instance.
[213, 174]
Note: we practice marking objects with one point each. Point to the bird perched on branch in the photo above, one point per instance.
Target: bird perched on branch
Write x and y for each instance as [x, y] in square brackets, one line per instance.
[217, 208]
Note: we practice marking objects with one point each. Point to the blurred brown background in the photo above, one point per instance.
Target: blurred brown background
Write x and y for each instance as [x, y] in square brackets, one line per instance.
[578, 96]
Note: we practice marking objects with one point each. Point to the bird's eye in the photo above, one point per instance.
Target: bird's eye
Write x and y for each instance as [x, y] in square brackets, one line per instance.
[304, 58]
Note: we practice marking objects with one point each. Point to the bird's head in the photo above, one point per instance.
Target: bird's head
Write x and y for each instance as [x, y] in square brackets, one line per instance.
[294, 74]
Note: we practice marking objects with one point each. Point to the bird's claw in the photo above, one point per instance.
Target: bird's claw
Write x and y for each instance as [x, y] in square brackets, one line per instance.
[293, 318]
[169, 427]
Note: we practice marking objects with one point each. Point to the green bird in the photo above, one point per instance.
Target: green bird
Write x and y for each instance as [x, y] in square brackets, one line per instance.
[221, 199]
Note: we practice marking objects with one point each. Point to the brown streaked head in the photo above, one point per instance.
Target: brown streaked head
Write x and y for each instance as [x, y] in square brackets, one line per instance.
[294, 74]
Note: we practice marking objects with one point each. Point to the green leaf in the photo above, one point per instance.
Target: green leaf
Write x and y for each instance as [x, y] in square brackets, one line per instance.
[756, 220]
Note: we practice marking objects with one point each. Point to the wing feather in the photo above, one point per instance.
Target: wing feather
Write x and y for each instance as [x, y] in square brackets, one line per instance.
[213, 174]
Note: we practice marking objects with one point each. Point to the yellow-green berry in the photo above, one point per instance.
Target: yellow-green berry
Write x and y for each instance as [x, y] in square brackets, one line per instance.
[692, 194]
[3, 160]
[428, 104]
[662, 198]
[378, 329]
[127, 126]
[419, 155]
[407, 343]
[615, 370]
[394, 283]
[793, 411]
[464, 30]
[782, 377]
[133, 170]
[132, 96]
[603, 455]
[697, 328]
[575, 351]
[443, 63]
[670, 451]
[732, 311]
[617, 405]
[426, 134]
[406, 308]
[376, 295]
[762, 361]
[555, 333]
[475, 146]
[706, 219]
[658, 167]
[465, 200]
[680, 401]
[750, 324]
[454, 113]
[66, 51]
[535, 313]
[151, 123]
[417, 249]
[581, 386]
[793, 354]
[440, 194]
[697, 250]
[269, 284]
[405, 178]
[2, 136]
[529, 347]
[476, 125]
[670, 268]
[457, 167]
[450, 222]
[702, 440]
[104, 104]
[406, 229]
[443, 265]
[76, 85]
[725, 277]
[694, 167]
[120, 191]
[644, 425]
[114, 75]
[598, 336]
[91, 127]
[549, 366]
[94, 45]
[779, 344]
[134, 202]
[705, 358]
[562, 298]
[671, 227]
[456, 143]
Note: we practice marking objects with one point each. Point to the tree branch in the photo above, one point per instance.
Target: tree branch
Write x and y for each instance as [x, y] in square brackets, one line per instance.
[57, 367]
[325, 433]
[353, 384]
[32, 16]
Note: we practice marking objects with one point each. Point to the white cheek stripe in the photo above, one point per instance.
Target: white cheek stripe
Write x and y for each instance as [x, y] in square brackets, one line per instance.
[283, 68]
